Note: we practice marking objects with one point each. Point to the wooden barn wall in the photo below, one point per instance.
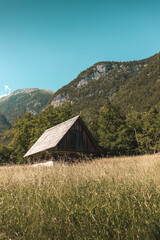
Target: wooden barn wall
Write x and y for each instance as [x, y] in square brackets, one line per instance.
[77, 140]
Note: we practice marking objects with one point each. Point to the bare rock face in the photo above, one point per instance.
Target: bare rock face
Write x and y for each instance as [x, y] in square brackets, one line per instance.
[59, 99]
[99, 71]
[82, 83]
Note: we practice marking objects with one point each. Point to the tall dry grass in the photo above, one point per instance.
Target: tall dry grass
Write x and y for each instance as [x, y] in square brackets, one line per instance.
[115, 198]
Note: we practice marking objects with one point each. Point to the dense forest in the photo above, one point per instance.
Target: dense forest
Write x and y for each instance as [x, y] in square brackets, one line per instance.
[116, 132]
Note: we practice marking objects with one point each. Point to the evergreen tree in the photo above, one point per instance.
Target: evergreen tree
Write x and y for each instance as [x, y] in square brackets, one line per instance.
[111, 129]
[146, 128]
[20, 136]
[149, 137]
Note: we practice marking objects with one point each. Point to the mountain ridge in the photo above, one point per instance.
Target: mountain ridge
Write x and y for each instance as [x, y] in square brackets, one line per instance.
[117, 81]
[100, 81]
[32, 100]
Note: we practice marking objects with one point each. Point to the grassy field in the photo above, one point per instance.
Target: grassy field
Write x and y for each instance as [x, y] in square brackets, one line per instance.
[115, 198]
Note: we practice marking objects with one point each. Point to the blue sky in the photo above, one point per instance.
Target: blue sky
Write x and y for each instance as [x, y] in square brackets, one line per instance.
[47, 43]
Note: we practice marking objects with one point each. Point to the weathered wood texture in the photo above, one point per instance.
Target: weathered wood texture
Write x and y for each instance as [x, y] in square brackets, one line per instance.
[70, 137]
[77, 139]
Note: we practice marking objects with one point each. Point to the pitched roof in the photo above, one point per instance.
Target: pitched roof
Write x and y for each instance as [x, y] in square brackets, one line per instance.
[51, 137]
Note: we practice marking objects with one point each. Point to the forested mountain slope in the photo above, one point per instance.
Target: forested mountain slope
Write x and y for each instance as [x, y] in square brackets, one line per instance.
[4, 124]
[143, 90]
[32, 100]
[105, 79]
[89, 91]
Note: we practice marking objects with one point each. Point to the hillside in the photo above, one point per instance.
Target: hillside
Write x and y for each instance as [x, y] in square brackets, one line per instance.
[143, 90]
[89, 91]
[4, 124]
[32, 100]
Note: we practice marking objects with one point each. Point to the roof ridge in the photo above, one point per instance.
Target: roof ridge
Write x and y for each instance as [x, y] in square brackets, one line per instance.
[61, 123]
[53, 131]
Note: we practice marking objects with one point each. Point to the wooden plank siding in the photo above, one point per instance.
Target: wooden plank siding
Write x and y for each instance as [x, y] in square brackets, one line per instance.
[71, 138]
[76, 139]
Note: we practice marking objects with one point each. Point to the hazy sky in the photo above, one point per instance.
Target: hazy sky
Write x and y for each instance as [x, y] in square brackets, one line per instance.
[47, 43]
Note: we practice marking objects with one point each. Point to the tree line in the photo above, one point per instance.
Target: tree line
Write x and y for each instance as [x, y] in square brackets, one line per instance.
[116, 133]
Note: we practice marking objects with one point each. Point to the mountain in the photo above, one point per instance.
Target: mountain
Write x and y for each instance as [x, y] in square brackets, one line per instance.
[133, 85]
[143, 90]
[32, 100]
[89, 91]
[4, 124]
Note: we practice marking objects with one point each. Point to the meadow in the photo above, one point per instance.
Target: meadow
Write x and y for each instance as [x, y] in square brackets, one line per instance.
[114, 198]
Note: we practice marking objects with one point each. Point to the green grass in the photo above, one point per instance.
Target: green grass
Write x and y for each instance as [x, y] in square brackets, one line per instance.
[116, 198]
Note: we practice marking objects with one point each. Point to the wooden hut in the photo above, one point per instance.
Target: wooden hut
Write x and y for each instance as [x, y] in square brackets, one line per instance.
[71, 137]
